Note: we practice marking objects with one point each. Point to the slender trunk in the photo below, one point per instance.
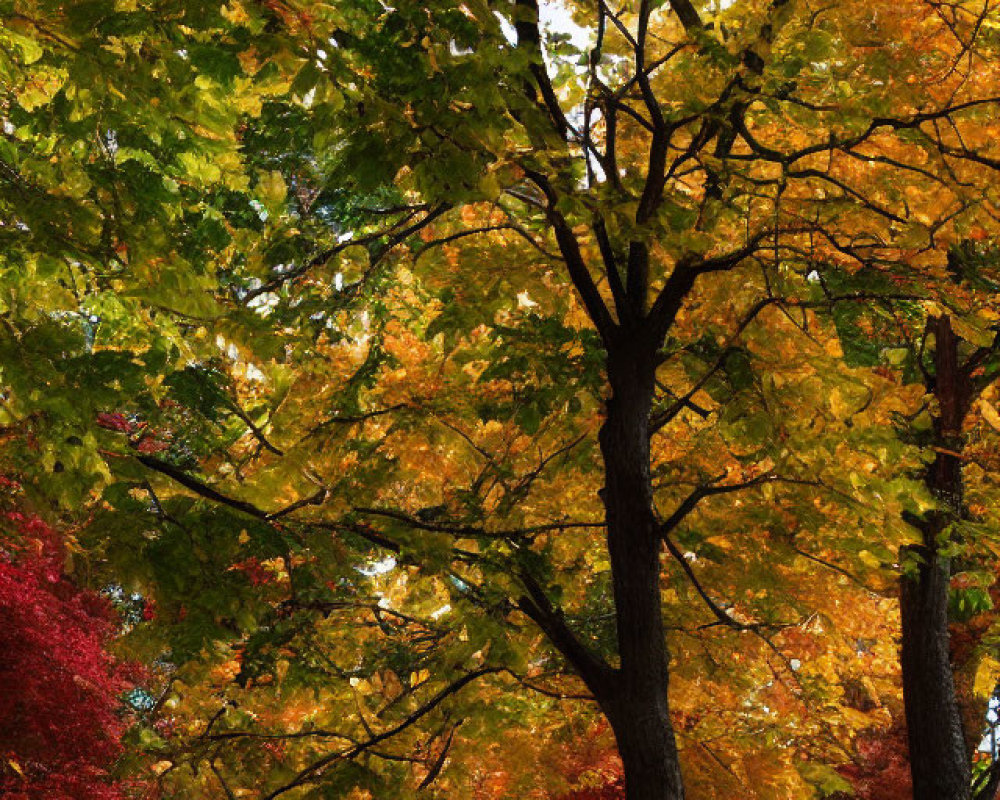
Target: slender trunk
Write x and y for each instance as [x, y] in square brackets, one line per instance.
[637, 707]
[938, 760]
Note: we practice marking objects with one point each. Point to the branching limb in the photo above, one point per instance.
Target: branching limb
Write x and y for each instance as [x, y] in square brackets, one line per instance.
[472, 530]
[547, 692]
[721, 615]
[200, 487]
[529, 38]
[569, 248]
[594, 670]
[396, 236]
[664, 417]
[314, 771]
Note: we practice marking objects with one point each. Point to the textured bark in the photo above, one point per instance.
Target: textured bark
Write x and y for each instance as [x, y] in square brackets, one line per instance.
[637, 704]
[938, 762]
[938, 759]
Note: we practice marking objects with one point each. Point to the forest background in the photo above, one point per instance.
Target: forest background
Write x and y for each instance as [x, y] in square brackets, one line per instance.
[485, 399]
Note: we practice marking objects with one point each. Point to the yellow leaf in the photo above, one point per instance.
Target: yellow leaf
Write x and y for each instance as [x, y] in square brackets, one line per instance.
[987, 675]
[40, 89]
[974, 333]
[272, 190]
[990, 414]
[419, 677]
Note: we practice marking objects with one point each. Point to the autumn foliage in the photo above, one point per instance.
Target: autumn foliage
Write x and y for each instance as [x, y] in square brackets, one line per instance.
[882, 769]
[442, 377]
[594, 771]
[60, 724]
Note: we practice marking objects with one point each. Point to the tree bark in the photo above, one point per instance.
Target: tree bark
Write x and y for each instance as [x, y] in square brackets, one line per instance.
[637, 705]
[938, 761]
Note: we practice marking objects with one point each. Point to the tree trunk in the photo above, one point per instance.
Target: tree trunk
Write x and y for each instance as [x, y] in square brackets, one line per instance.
[938, 760]
[637, 707]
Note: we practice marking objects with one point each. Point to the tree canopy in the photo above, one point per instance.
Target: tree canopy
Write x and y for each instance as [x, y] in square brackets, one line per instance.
[512, 398]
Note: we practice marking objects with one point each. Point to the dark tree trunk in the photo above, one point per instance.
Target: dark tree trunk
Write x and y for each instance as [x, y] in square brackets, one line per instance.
[637, 705]
[938, 762]
[938, 759]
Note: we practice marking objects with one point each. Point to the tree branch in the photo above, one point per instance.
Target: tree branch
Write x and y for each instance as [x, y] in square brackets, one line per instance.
[316, 769]
[569, 248]
[594, 671]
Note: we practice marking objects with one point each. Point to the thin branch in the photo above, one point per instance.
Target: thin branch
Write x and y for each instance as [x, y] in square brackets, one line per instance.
[723, 617]
[663, 418]
[315, 770]
[553, 693]
[471, 530]
[396, 237]
[200, 487]
[438, 764]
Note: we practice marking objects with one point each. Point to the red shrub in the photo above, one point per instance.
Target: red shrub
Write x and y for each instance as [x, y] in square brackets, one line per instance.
[59, 709]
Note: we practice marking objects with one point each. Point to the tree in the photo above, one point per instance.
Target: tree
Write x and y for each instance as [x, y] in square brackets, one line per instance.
[955, 369]
[634, 326]
[696, 173]
[61, 707]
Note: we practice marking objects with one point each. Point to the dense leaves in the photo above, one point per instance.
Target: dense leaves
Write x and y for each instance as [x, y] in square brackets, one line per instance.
[432, 371]
[61, 693]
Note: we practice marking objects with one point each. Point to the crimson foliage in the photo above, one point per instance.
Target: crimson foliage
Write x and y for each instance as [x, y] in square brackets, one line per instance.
[60, 720]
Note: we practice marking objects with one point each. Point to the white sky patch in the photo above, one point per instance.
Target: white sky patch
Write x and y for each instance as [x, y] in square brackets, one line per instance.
[441, 611]
[524, 300]
[509, 33]
[264, 303]
[989, 744]
[554, 16]
[232, 352]
[255, 374]
[373, 568]
[258, 206]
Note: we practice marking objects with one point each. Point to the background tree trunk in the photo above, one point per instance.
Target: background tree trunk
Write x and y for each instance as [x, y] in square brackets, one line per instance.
[938, 760]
